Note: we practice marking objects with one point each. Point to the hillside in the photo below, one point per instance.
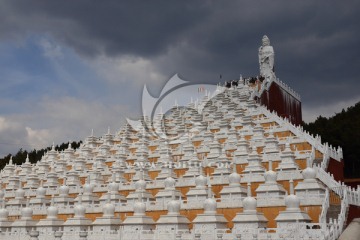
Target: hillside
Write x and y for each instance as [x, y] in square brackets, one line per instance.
[34, 155]
[342, 130]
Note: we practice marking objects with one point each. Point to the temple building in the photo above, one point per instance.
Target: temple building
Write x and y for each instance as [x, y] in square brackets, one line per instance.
[233, 165]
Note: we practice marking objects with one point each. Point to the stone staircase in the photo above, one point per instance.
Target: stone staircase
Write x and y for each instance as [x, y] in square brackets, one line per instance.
[317, 161]
[333, 211]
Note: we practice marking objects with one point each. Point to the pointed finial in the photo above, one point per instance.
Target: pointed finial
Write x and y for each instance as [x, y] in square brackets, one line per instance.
[249, 189]
[108, 197]
[139, 197]
[270, 165]
[108, 130]
[291, 186]
[27, 201]
[173, 195]
[92, 132]
[80, 198]
[308, 162]
[209, 187]
[52, 200]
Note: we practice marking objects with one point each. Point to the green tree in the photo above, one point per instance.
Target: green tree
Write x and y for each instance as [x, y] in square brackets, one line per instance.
[342, 130]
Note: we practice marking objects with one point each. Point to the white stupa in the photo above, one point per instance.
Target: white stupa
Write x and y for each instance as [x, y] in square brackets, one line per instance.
[250, 218]
[293, 214]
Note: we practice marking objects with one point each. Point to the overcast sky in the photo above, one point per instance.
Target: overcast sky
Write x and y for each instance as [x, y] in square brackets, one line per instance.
[67, 67]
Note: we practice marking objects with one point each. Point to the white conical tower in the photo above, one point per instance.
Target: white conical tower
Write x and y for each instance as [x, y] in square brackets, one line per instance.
[79, 222]
[254, 161]
[270, 189]
[52, 178]
[287, 160]
[173, 221]
[113, 192]
[271, 145]
[234, 191]
[40, 199]
[166, 194]
[19, 199]
[249, 218]
[293, 214]
[52, 222]
[63, 199]
[139, 221]
[108, 222]
[210, 219]
[222, 165]
[194, 168]
[89, 197]
[140, 190]
[5, 223]
[25, 223]
[198, 193]
[310, 188]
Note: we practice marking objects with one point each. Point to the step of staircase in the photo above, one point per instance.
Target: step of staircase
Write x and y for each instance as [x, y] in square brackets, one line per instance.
[317, 161]
[333, 212]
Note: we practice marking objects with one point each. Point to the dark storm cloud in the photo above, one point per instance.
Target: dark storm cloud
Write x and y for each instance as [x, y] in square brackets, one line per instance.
[111, 27]
[316, 42]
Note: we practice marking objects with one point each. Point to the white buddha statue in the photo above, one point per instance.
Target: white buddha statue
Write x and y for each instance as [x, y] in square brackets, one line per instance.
[266, 59]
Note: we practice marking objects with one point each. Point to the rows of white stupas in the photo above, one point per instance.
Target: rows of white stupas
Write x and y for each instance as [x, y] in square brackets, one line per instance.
[104, 189]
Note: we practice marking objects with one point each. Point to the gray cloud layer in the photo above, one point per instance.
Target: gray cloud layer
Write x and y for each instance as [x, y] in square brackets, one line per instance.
[316, 42]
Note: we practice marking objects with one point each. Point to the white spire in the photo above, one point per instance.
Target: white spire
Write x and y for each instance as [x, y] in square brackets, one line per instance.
[209, 187]
[291, 186]
[249, 189]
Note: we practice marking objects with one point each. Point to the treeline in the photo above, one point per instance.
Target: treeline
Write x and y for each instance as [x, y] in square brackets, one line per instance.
[342, 130]
[34, 155]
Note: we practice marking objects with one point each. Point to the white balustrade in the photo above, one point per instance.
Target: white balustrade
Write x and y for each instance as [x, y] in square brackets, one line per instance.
[325, 207]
